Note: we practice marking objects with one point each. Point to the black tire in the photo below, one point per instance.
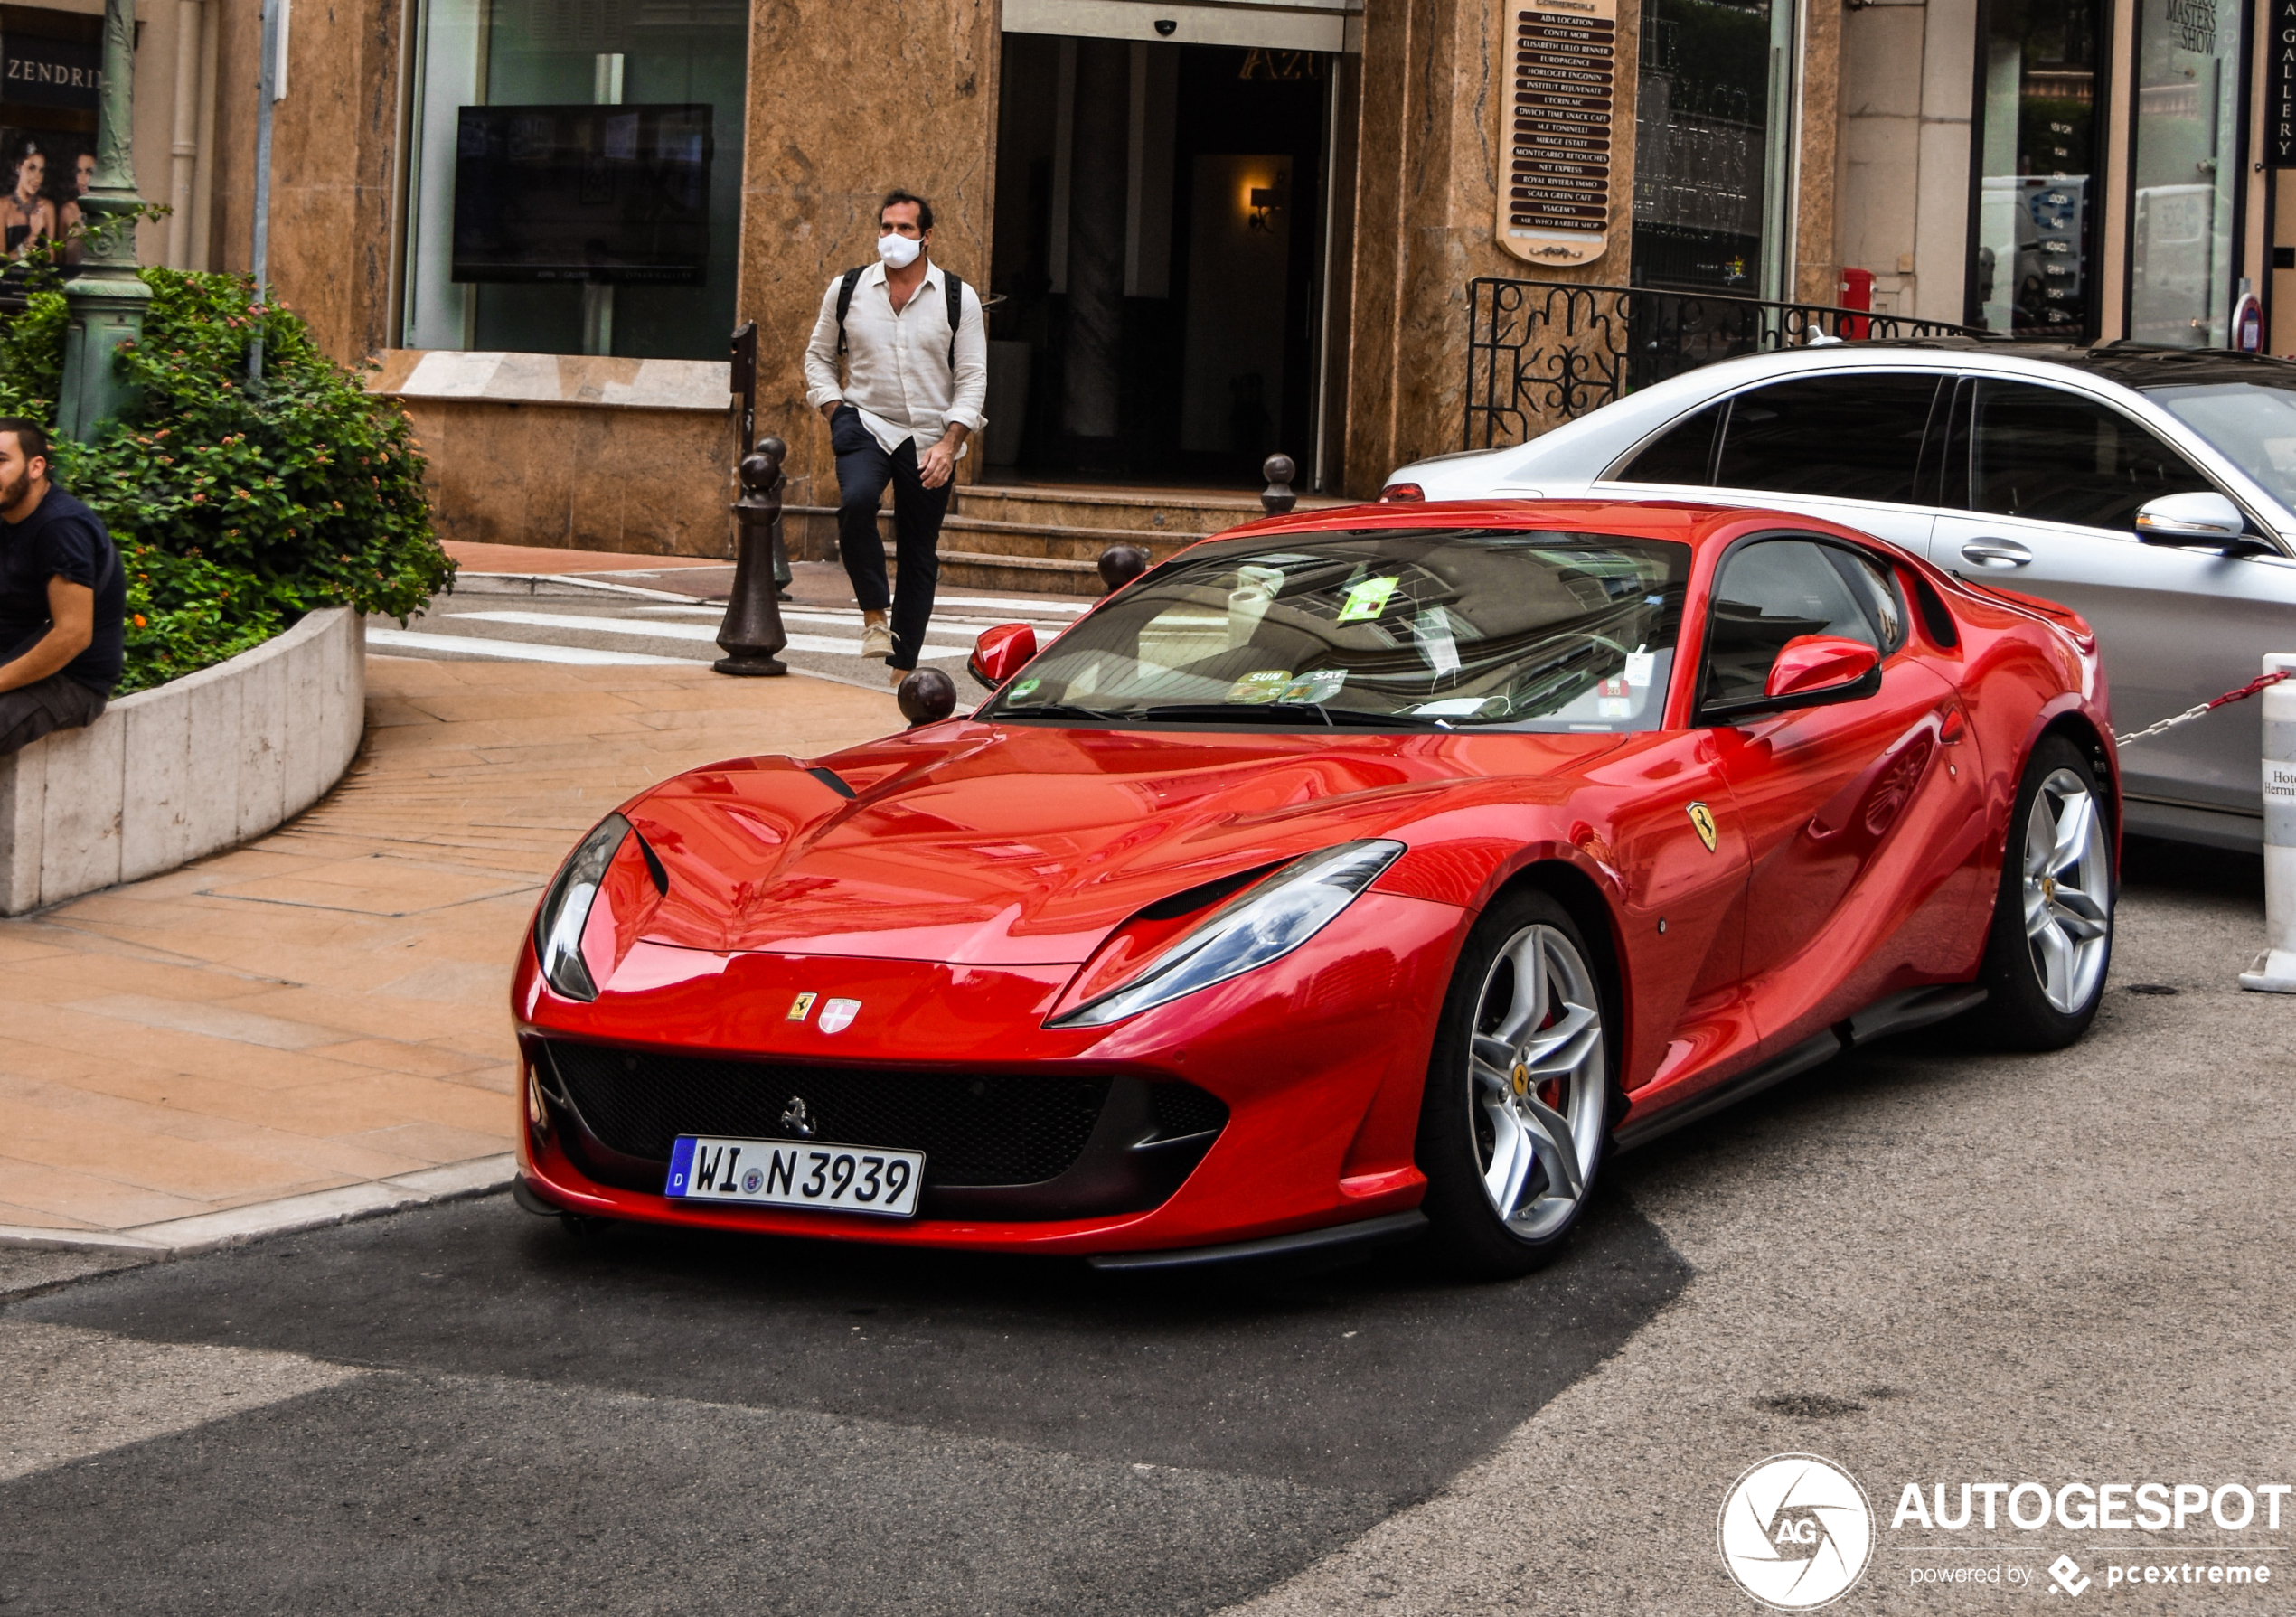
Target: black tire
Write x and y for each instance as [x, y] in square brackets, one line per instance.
[1462, 1115]
[2024, 1009]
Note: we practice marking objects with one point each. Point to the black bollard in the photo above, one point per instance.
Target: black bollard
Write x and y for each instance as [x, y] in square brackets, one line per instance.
[1277, 497]
[752, 632]
[1120, 565]
[926, 697]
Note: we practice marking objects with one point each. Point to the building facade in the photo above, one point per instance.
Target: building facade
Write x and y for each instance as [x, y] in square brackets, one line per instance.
[1210, 229]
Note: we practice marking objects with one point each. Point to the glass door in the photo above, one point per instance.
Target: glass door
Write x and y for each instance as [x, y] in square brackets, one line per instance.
[2187, 160]
[2037, 206]
[1712, 128]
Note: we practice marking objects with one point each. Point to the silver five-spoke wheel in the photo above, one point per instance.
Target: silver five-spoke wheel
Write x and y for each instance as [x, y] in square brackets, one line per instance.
[1538, 1069]
[2068, 891]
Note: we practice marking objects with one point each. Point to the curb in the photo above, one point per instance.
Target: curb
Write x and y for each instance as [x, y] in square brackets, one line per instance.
[235, 1226]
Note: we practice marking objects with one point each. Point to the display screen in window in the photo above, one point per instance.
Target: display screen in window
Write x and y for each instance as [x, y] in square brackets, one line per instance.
[617, 195]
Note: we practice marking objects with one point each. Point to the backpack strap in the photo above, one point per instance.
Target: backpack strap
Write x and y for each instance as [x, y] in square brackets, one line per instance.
[845, 301]
[956, 313]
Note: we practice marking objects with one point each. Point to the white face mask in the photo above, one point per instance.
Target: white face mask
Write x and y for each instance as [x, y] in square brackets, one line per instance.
[898, 251]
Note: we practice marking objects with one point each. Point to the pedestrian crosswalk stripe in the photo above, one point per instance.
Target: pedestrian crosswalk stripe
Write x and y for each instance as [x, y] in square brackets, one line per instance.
[514, 651]
[655, 629]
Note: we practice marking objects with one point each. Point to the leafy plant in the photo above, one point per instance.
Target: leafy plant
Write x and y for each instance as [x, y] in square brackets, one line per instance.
[245, 504]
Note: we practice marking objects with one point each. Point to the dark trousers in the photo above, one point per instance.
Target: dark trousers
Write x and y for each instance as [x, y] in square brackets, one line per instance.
[863, 469]
[55, 703]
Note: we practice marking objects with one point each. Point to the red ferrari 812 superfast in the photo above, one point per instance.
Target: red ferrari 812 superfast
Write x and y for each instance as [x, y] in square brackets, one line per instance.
[1349, 877]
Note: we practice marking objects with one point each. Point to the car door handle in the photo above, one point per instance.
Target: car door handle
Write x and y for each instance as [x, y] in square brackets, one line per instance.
[1996, 552]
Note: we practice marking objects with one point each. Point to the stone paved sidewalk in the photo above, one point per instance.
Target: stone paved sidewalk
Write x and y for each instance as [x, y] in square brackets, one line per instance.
[324, 1013]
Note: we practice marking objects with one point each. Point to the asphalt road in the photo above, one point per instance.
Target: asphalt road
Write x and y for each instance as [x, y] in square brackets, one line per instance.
[1927, 1262]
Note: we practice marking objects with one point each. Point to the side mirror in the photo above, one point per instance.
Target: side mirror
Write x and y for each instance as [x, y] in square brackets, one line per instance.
[1001, 653]
[2201, 518]
[1814, 664]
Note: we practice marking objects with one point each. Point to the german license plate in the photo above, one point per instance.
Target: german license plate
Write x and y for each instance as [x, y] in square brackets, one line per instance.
[783, 1173]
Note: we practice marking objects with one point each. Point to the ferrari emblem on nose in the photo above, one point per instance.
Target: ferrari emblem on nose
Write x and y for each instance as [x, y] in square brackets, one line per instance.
[1702, 819]
[800, 1006]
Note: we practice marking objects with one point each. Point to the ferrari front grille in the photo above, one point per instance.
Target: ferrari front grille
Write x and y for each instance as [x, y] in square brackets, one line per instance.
[974, 1129]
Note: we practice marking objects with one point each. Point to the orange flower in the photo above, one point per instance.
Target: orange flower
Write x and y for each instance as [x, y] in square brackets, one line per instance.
[139, 620]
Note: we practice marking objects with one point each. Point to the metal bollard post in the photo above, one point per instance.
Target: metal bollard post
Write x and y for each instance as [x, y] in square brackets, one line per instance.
[2274, 970]
[753, 632]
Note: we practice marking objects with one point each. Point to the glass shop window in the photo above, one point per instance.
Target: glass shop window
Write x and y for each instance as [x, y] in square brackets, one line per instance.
[2037, 190]
[577, 182]
[2186, 150]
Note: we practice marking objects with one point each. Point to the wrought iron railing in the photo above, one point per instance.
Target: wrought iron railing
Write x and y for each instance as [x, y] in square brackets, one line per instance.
[1541, 353]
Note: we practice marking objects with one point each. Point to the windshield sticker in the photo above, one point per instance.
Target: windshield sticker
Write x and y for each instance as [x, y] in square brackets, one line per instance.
[1433, 628]
[1025, 688]
[1641, 666]
[1318, 685]
[1265, 685]
[1367, 600]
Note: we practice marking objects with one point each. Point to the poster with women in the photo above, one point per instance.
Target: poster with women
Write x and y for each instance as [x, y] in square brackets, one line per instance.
[49, 80]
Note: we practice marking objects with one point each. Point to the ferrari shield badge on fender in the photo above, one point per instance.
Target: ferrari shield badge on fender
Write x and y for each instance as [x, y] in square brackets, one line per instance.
[838, 1015]
[802, 1007]
[1702, 818]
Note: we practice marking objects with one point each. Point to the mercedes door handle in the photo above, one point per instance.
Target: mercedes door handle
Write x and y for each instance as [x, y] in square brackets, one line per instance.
[1996, 552]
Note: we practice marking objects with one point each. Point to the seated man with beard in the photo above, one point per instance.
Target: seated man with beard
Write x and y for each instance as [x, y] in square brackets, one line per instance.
[63, 598]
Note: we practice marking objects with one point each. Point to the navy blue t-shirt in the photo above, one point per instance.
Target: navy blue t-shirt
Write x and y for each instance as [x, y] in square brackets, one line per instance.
[62, 538]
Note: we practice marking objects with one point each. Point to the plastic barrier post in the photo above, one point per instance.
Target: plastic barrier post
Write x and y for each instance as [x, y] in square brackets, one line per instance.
[2274, 970]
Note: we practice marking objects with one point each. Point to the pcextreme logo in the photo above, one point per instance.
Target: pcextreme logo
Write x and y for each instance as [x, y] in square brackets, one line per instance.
[1796, 1532]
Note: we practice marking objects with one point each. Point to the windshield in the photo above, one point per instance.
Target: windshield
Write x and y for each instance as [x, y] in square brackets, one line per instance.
[1397, 628]
[2251, 424]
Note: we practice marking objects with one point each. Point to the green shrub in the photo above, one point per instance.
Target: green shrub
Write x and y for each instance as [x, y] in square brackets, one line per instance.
[238, 507]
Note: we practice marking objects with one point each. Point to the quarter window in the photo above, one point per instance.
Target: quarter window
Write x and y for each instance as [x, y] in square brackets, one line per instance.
[1780, 589]
[1852, 437]
[2058, 457]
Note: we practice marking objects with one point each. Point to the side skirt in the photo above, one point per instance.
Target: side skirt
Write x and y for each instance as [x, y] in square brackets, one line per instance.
[1899, 1013]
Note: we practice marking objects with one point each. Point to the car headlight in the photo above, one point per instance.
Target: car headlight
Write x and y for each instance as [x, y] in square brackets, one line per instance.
[1264, 923]
[566, 910]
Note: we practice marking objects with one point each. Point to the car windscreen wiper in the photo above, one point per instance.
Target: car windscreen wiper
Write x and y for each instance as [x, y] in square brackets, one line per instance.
[1056, 709]
[1219, 712]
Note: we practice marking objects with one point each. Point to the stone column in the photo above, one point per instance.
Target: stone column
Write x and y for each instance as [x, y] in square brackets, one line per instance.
[105, 299]
[846, 102]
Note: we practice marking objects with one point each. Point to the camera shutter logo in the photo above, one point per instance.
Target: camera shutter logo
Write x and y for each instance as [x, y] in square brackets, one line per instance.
[1796, 1532]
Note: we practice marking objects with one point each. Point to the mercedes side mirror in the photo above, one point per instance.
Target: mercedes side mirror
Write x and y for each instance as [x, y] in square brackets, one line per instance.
[2202, 518]
[1001, 653]
[1815, 664]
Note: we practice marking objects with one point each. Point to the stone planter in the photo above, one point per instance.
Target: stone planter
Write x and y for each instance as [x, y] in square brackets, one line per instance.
[200, 763]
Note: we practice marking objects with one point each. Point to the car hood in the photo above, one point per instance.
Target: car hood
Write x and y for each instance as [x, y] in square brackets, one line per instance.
[983, 844]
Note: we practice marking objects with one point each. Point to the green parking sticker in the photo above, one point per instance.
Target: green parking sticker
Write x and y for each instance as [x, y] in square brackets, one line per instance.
[1266, 685]
[1367, 600]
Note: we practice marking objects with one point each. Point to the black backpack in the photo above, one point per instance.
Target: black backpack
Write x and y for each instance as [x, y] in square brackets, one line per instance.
[949, 282]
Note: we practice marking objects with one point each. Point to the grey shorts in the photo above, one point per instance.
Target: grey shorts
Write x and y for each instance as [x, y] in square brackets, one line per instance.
[57, 703]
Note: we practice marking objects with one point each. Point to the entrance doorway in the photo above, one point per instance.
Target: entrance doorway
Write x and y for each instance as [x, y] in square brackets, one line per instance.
[1159, 244]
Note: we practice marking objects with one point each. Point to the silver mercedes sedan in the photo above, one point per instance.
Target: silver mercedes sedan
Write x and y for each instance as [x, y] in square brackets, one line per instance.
[2152, 490]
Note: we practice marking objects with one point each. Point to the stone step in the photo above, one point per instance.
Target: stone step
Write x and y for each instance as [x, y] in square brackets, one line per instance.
[1153, 511]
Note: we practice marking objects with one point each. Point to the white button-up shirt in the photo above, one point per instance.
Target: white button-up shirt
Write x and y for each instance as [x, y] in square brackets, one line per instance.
[898, 372]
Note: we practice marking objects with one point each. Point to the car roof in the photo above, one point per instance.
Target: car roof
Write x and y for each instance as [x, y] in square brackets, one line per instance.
[1684, 522]
[2132, 364]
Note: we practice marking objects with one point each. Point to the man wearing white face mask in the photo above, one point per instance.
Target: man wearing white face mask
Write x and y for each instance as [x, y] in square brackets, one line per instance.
[917, 374]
